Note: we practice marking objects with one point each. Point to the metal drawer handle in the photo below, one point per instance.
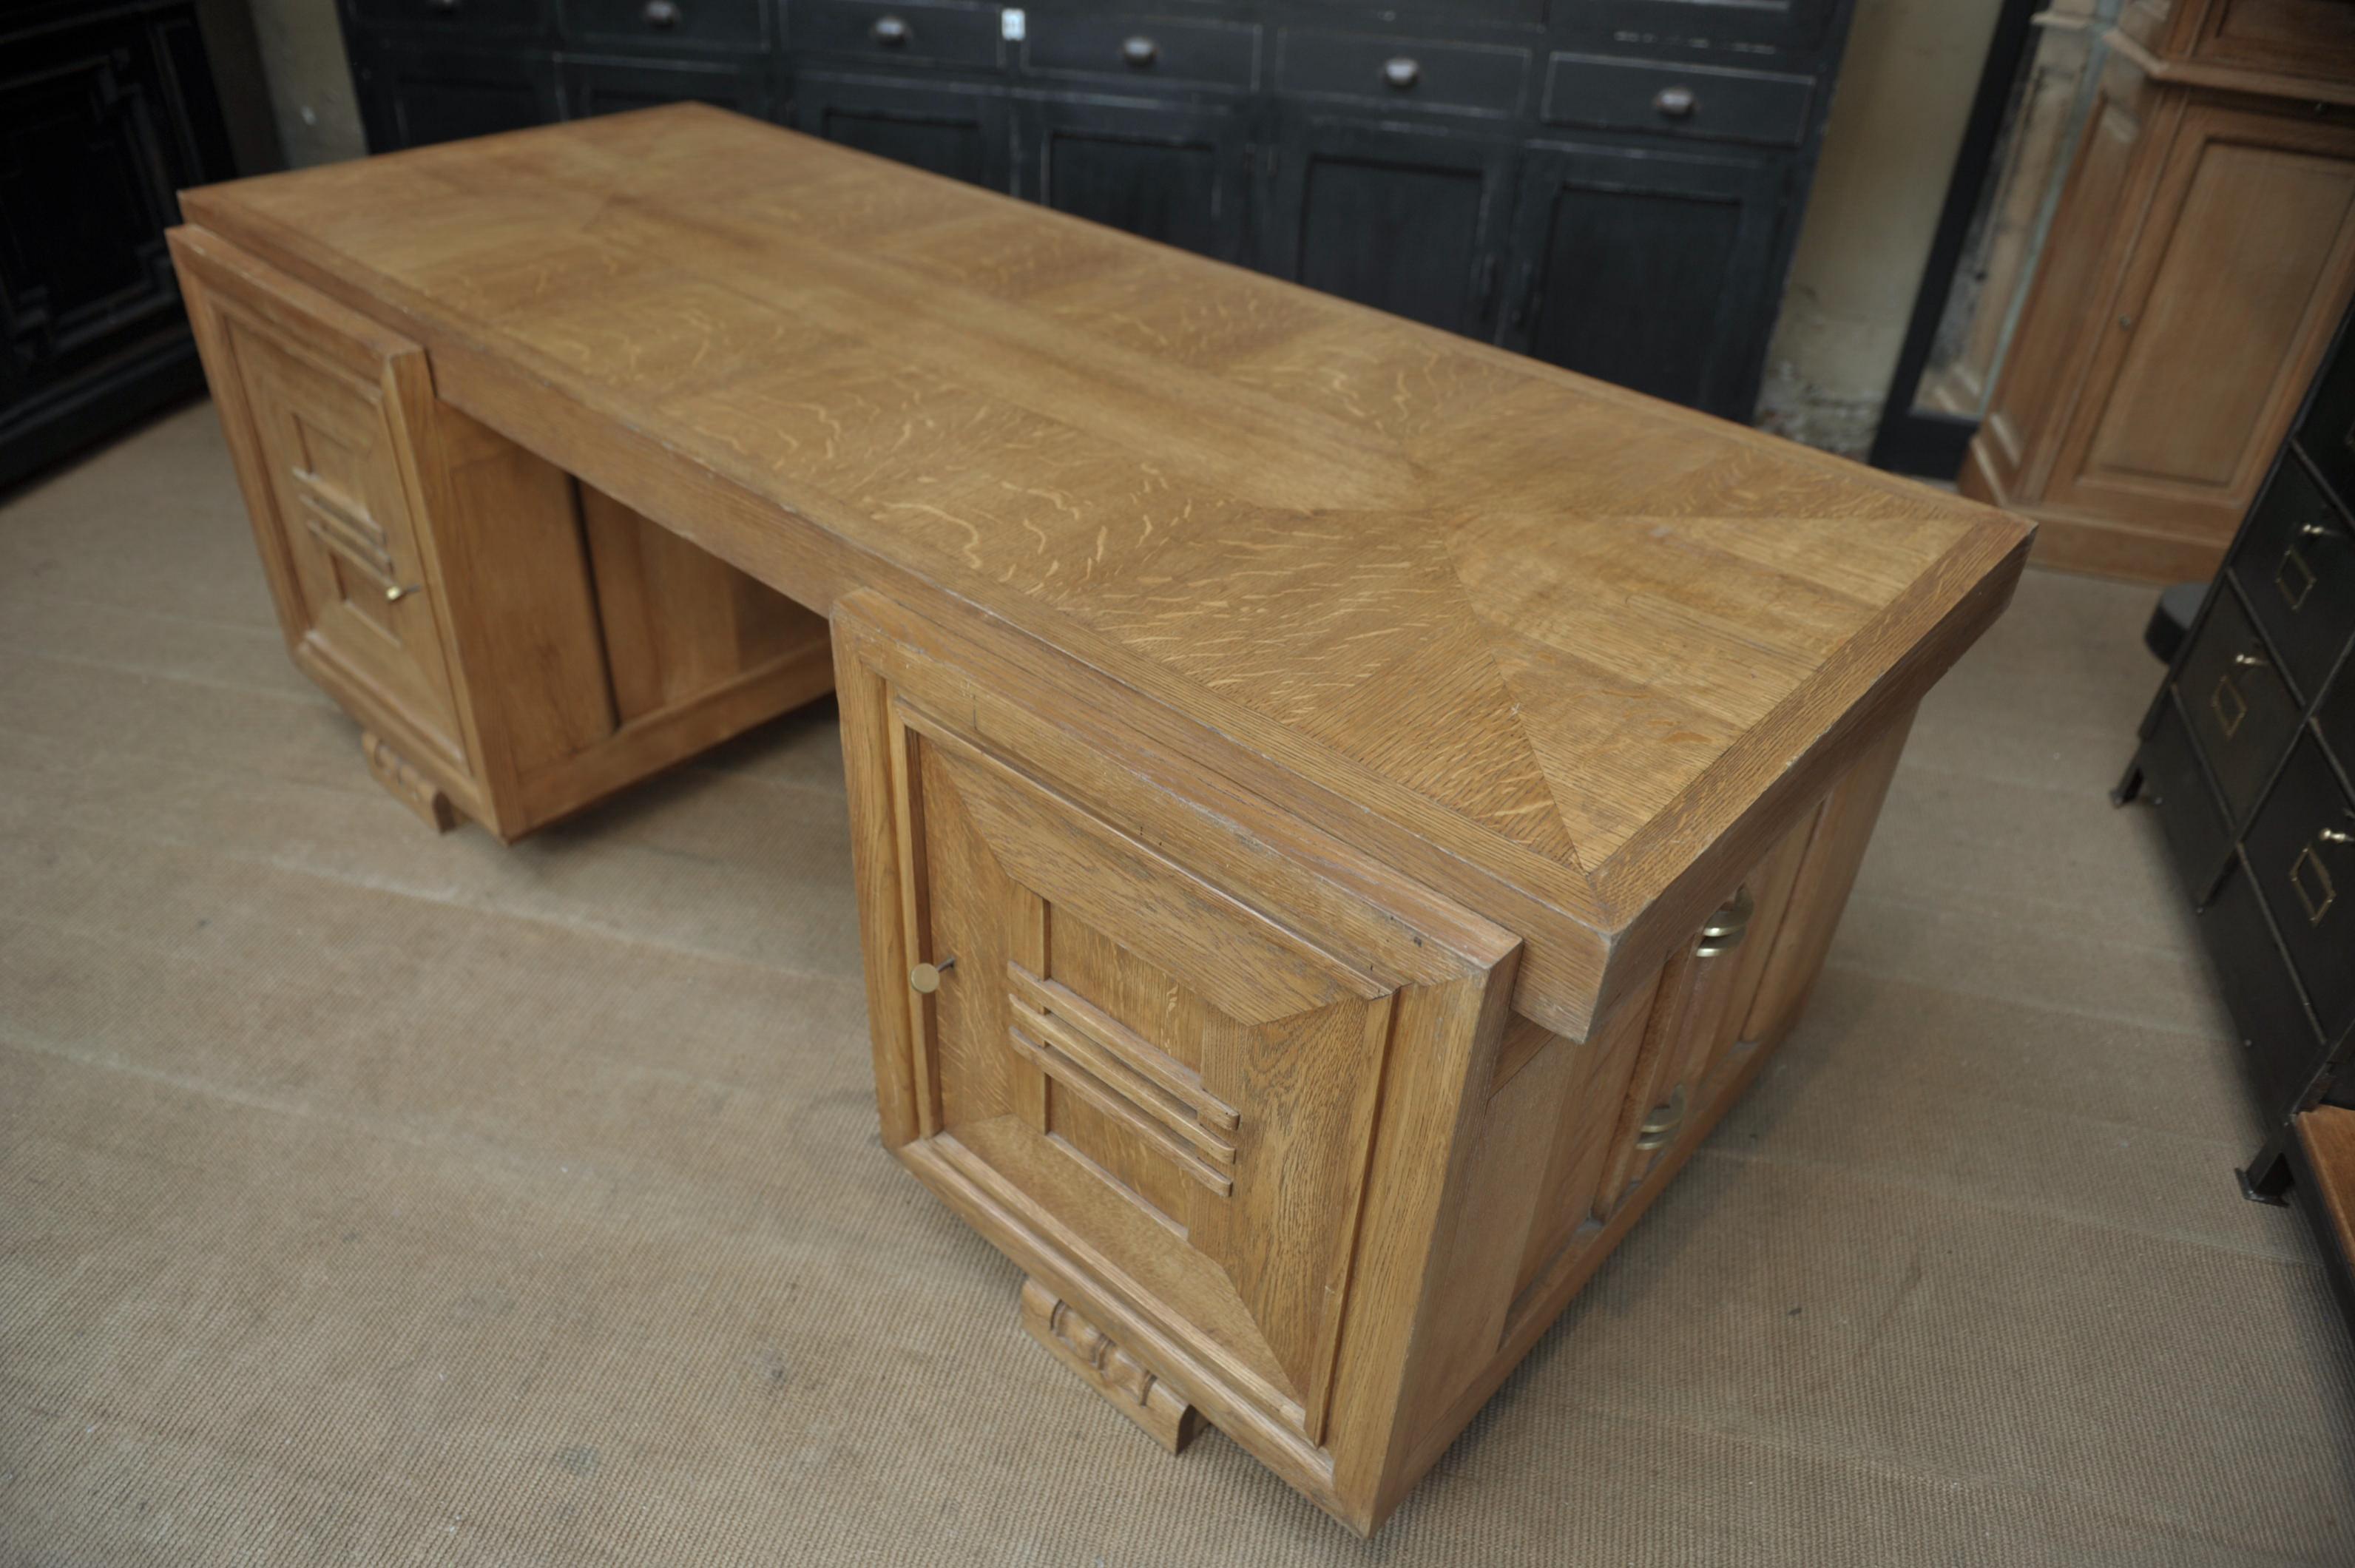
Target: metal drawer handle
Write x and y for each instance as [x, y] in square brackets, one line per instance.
[1661, 1125]
[1401, 72]
[1676, 102]
[662, 13]
[1140, 51]
[1725, 929]
[891, 32]
[925, 978]
[398, 591]
[2294, 598]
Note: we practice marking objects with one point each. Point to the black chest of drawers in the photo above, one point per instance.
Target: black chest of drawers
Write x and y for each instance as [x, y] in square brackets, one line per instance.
[2249, 756]
[1611, 185]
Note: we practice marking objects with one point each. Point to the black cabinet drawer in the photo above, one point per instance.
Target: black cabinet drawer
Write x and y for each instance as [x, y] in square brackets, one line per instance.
[1141, 50]
[667, 23]
[1408, 72]
[2296, 566]
[2194, 823]
[2283, 1049]
[940, 34]
[456, 17]
[1711, 102]
[2241, 710]
[2326, 433]
[2335, 717]
[2301, 852]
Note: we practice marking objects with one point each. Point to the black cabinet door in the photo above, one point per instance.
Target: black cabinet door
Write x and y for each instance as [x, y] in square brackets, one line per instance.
[1649, 269]
[612, 87]
[414, 96]
[1179, 173]
[102, 118]
[1403, 217]
[962, 131]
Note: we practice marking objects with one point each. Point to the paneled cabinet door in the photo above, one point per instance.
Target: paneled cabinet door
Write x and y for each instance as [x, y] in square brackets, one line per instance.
[612, 87]
[413, 97]
[1649, 269]
[945, 128]
[1405, 217]
[1179, 173]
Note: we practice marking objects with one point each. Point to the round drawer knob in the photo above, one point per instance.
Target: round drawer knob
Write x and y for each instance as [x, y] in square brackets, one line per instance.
[1140, 51]
[1401, 73]
[925, 978]
[1676, 102]
[891, 32]
[1723, 931]
[662, 13]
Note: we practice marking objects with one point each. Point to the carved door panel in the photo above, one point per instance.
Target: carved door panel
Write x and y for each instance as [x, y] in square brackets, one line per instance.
[335, 507]
[1184, 1086]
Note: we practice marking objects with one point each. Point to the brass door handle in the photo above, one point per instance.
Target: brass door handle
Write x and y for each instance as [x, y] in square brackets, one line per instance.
[1662, 1124]
[398, 591]
[1724, 930]
[925, 978]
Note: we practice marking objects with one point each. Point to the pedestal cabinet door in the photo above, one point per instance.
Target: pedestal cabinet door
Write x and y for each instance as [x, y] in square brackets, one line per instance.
[1178, 1088]
[312, 396]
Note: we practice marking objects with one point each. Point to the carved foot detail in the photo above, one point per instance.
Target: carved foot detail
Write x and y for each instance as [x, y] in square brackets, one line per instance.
[1133, 1389]
[410, 786]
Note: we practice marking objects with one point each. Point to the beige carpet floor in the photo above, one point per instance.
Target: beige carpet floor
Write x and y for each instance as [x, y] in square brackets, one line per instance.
[366, 1197]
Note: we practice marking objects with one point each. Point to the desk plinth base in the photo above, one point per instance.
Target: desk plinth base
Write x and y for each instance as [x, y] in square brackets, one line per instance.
[1128, 1385]
[412, 788]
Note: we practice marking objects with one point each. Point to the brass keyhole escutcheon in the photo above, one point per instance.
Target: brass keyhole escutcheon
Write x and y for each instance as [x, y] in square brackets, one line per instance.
[925, 978]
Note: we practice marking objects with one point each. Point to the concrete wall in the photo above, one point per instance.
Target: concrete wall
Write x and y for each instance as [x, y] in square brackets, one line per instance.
[1904, 91]
[310, 85]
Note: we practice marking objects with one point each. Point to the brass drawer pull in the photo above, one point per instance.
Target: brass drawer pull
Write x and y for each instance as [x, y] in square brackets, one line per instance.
[1726, 928]
[2317, 888]
[1662, 1124]
[925, 978]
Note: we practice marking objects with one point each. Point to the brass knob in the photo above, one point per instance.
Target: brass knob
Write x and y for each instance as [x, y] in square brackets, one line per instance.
[1140, 51]
[1401, 72]
[1723, 931]
[395, 595]
[662, 13]
[891, 32]
[1676, 102]
[925, 978]
[1661, 1125]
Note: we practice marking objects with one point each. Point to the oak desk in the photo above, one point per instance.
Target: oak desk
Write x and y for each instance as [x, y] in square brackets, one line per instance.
[1340, 810]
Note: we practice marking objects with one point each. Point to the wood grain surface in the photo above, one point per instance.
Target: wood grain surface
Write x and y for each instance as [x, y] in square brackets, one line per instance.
[1580, 646]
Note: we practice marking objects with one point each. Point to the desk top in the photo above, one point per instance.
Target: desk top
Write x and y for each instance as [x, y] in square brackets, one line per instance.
[1594, 632]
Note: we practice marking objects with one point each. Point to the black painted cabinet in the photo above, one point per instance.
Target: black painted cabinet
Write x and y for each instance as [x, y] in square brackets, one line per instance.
[1613, 185]
[1178, 173]
[105, 112]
